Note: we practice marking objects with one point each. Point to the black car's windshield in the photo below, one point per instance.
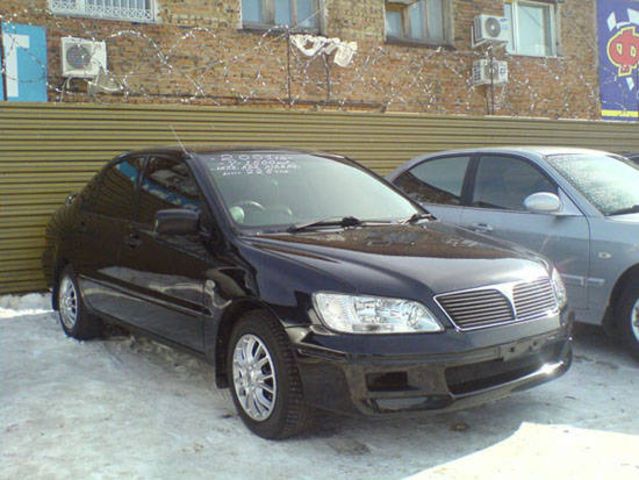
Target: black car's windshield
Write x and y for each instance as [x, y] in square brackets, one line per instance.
[273, 190]
[610, 183]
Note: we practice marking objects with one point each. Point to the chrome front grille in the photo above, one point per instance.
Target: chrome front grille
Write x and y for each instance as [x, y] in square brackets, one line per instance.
[534, 300]
[499, 304]
[477, 308]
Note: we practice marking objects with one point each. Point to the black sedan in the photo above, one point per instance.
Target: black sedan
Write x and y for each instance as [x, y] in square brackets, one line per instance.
[307, 281]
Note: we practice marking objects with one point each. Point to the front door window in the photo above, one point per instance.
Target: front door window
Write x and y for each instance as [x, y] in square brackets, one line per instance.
[504, 183]
[167, 183]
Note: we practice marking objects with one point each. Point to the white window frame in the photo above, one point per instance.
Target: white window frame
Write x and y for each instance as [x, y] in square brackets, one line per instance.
[119, 10]
[447, 26]
[269, 8]
[554, 27]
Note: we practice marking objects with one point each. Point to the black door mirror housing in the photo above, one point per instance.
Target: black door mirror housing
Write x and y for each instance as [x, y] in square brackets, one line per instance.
[177, 222]
[70, 198]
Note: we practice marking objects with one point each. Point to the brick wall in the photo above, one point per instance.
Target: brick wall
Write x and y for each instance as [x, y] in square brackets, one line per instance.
[197, 54]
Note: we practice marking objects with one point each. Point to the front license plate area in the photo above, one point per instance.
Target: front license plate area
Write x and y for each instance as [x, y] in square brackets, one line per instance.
[520, 348]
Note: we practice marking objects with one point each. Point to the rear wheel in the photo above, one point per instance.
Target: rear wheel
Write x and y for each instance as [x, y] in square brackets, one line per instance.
[74, 318]
[265, 383]
[628, 315]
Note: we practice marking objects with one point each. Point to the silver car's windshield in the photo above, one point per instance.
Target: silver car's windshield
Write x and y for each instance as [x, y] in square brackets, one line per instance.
[610, 183]
[269, 190]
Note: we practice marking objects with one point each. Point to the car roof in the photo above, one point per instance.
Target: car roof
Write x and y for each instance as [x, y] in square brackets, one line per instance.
[527, 151]
[208, 149]
[538, 150]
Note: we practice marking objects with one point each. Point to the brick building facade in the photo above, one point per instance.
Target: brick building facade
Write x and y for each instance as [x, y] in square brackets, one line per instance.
[207, 52]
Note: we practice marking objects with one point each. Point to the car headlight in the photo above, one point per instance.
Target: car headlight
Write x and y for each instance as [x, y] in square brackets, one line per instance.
[367, 314]
[559, 288]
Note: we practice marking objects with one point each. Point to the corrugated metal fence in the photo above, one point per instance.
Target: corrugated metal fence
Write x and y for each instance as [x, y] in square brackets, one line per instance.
[49, 150]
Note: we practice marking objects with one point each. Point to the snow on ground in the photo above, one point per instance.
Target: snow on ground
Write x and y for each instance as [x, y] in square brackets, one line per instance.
[130, 408]
[12, 306]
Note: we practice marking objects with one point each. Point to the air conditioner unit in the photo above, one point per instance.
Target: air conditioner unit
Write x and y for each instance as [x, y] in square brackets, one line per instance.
[82, 58]
[490, 29]
[483, 74]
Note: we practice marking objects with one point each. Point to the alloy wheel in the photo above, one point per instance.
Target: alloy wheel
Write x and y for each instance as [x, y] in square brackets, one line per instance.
[634, 320]
[254, 377]
[68, 303]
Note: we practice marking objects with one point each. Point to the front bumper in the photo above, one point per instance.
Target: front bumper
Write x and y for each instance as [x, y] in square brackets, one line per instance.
[380, 375]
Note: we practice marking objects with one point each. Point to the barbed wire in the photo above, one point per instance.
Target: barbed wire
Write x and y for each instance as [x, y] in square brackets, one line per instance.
[200, 65]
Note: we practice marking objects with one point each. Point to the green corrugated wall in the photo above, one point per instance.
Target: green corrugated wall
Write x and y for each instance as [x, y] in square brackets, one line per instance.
[49, 150]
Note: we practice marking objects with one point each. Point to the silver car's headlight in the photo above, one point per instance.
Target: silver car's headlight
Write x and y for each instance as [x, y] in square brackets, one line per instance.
[367, 314]
[559, 288]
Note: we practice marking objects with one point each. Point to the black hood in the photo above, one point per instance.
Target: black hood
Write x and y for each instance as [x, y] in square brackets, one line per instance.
[397, 260]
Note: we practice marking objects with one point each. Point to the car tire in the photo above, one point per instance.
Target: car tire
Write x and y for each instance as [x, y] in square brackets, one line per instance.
[628, 315]
[75, 320]
[264, 379]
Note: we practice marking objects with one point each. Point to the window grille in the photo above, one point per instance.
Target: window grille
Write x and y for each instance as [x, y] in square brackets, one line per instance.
[129, 10]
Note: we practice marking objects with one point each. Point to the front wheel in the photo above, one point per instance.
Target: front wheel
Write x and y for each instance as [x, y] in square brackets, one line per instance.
[265, 383]
[628, 315]
[74, 318]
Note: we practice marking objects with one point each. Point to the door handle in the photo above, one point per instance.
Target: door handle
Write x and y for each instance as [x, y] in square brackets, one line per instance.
[133, 240]
[481, 227]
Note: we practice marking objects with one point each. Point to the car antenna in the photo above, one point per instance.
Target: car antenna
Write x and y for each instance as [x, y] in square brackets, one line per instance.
[178, 139]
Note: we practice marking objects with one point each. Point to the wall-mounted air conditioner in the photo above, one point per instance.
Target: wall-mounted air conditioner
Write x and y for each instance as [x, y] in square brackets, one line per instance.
[490, 29]
[82, 58]
[483, 74]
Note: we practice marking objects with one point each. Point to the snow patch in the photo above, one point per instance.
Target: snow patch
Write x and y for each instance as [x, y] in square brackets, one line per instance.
[18, 305]
[133, 408]
[543, 449]
[160, 354]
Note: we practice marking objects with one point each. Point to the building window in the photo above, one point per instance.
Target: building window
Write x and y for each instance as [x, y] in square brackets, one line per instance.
[422, 21]
[128, 10]
[533, 29]
[299, 15]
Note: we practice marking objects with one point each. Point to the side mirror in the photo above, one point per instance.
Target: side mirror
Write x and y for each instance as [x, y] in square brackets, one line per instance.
[177, 222]
[543, 202]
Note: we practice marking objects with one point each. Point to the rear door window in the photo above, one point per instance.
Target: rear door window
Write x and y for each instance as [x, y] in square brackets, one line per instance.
[113, 195]
[438, 181]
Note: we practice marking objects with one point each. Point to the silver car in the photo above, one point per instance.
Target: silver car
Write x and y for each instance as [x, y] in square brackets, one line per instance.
[580, 208]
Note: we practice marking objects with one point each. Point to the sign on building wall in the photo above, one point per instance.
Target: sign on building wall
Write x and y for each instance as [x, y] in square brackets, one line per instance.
[24, 51]
[618, 30]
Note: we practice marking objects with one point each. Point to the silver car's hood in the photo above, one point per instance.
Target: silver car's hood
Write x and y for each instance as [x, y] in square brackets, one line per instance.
[629, 218]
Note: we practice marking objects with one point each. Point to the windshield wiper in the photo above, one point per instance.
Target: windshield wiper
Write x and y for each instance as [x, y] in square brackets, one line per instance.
[343, 222]
[624, 211]
[416, 217]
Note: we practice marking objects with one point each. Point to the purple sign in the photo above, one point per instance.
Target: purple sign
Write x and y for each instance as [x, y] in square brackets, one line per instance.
[618, 31]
